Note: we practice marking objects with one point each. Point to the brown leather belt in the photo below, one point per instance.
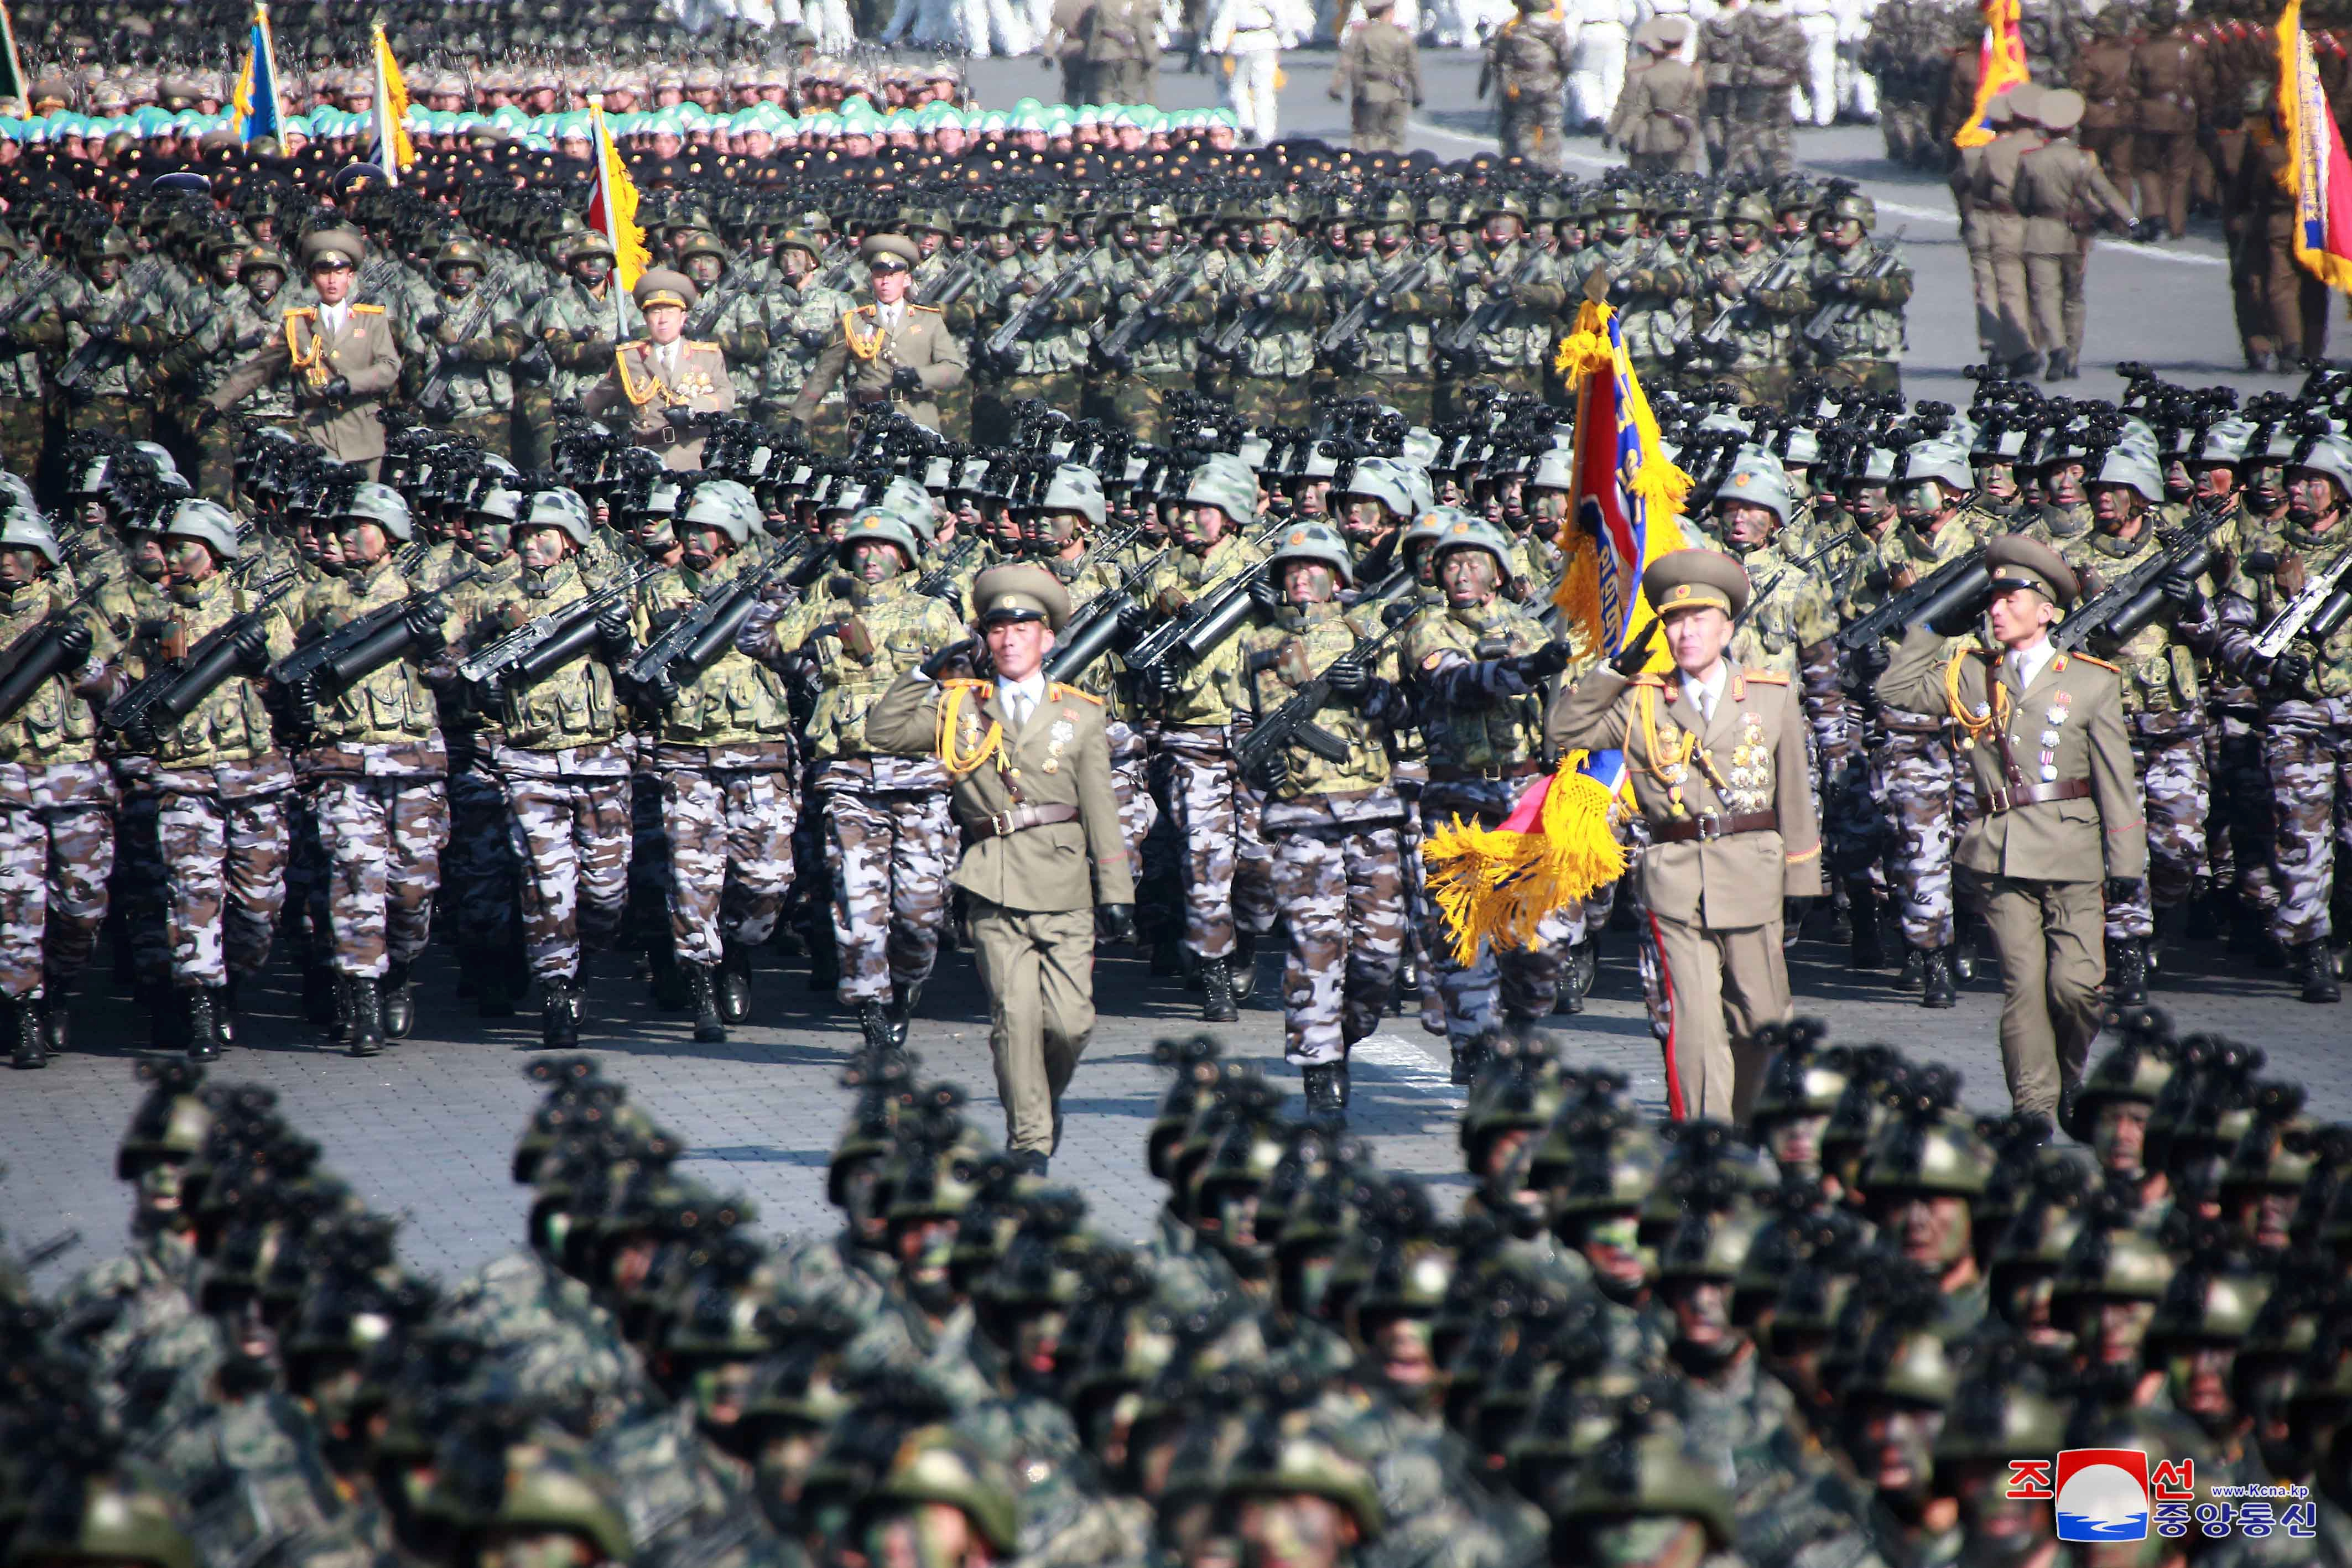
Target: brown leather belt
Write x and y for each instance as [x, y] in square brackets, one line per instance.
[1439, 775]
[1710, 826]
[2035, 794]
[996, 824]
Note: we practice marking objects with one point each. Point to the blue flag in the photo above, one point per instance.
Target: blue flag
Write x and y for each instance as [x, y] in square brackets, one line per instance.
[253, 110]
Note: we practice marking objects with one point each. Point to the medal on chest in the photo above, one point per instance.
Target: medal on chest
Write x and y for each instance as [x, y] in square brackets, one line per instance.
[1057, 740]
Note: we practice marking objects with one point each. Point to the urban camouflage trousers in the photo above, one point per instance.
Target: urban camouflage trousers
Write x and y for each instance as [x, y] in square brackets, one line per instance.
[890, 851]
[479, 863]
[224, 874]
[1342, 894]
[2311, 780]
[383, 839]
[57, 845]
[1131, 787]
[1227, 870]
[1916, 768]
[730, 856]
[2174, 798]
[569, 837]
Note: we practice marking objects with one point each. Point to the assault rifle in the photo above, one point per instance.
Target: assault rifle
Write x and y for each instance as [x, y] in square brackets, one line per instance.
[2134, 599]
[1958, 583]
[1141, 326]
[337, 661]
[706, 313]
[30, 661]
[1838, 312]
[35, 285]
[702, 632]
[551, 640]
[139, 300]
[1294, 721]
[951, 285]
[1742, 311]
[1091, 631]
[1000, 344]
[1252, 324]
[1458, 344]
[1340, 341]
[941, 578]
[172, 691]
[433, 397]
[2320, 594]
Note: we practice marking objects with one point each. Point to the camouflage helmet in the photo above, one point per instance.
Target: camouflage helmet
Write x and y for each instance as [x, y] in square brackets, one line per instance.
[255, 258]
[1750, 209]
[1520, 1088]
[1851, 205]
[2209, 1307]
[1225, 481]
[726, 504]
[1457, 530]
[887, 525]
[558, 509]
[109, 244]
[933, 1464]
[458, 253]
[1075, 487]
[1710, 1246]
[171, 1122]
[701, 242]
[1645, 1471]
[2117, 1263]
[382, 505]
[548, 1483]
[1384, 479]
[1296, 1455]
[1930, 1150]
[24, 529]
[1610, 1169]
[1316, 541]
[1997, 1417]
[196, 519]
[1907, 1362]
[76, 1518]
[1195, 1064]
[720, 1323]
[1756, 479]
[1799, 1080]
[927, 1181]
[2134, 1070]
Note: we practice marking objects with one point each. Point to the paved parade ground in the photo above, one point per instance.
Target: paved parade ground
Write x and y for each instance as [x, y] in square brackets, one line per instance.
[425, 1130]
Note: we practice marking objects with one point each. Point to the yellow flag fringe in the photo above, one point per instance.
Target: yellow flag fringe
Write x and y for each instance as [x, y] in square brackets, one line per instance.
[1494, 884]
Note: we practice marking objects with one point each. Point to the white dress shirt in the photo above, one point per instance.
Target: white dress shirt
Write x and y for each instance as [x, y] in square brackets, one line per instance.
[1021, 699]
[2026, 665]
[1703, 692]
[332, 317]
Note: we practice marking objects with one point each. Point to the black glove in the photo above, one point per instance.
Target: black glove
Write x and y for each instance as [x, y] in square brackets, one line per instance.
[949, 656]
[1636, 653]
[1115, 923]
[73, 642]
[424, 634]
[613, 625]
[813, 340]
[1273, 775]
[1348, 678]
[2121, 888]
[1262, 299]
[662, 691]
[452, 355]
[303, 693]
[490, 694]
[1265, 592]
[252, 647]
[1542, 664]
[1870, 660]
[2178, 589]
[905, 378]
[337, 389]
[683, 419]
[1134, 617]
[2289, 671]
[1158, 682]
[1621, 289]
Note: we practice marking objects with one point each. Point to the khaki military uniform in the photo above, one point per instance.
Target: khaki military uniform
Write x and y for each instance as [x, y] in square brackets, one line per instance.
[579, 329]
[2053, 764]
[306, 358]
[863, 358]
[1378, 75]
[1656, 119]
[2063, 194]
[697, 380]
[1036, 798]
[1997, 212]
[1729, 804]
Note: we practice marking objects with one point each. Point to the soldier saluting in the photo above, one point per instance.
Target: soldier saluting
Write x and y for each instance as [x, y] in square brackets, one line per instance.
[669, 386]
[1047, 865]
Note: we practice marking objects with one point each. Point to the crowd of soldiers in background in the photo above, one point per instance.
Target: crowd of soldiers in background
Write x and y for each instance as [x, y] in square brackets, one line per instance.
[1855, 1330]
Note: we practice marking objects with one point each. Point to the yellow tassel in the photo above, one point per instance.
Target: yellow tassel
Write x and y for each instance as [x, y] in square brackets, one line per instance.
[1495, 886]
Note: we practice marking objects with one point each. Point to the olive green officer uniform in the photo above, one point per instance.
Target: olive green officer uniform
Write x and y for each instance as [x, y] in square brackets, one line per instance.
[1728, 797]
[895, 356]
[2061, 815]
[1034, 796]
[342, 362]
[668, 392]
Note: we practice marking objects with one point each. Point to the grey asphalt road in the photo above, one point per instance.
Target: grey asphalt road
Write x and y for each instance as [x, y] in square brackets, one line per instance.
[425, 1130]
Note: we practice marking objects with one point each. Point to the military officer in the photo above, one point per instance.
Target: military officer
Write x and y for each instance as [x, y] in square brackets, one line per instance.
[892, 351]
[2057, 833]
[668, 386]
[1378, 74]
[1718, 759]
[1046, 869]
[337, 356]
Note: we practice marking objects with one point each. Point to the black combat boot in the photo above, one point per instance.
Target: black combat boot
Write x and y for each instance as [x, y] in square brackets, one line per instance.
[902, 1011]
[1869, 946]
[320, 1003]
[399, 1002]
[734, 982]
[1577, 975]
[2315, 966]
[710, 1023]
[20, 1025]
[1322, 1083]
[1962, 952]
[1469, 1056]
[1937, 987]
[1217, 992]
[2127, 972]
[874, 1023]
[363, 1006]
[56, 1015]
[205, 1040]
[559, 1014]
[1244, 968]
[1914, 968]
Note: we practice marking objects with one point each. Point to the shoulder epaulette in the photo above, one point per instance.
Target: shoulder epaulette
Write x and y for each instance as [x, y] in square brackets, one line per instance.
[2087, 659]
[1770, 677]
[706, 348]
[967, 682]
[294, 311]
[1650, 678]
[369, 310]
[1058, 691]
[638, 343]
[927, 309]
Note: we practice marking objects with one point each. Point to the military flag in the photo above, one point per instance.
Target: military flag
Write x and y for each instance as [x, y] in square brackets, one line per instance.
[394, 151]
[2001, 65]
[2318, 175]
[613, 204]
[12, 69]
[253, 109]
[1494, 884]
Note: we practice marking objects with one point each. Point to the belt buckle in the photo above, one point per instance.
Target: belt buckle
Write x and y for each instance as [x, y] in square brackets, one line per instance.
[1491, 773]
[1001, 822]
[1709, 825]
[1999, 799]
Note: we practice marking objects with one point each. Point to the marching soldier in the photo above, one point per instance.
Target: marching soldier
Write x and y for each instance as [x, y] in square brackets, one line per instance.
[1657, 115]
[888, 352]
[1860, 348]
[1047, 870]
[1718, 763]
[665, 387]
[1528, 62]
[2063, 194]
[1378, 75]
[1278, 288]
[474, 339]
[240, 323]
[2053, 843]
[337, 357]
[800, 316]
[582, 321]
